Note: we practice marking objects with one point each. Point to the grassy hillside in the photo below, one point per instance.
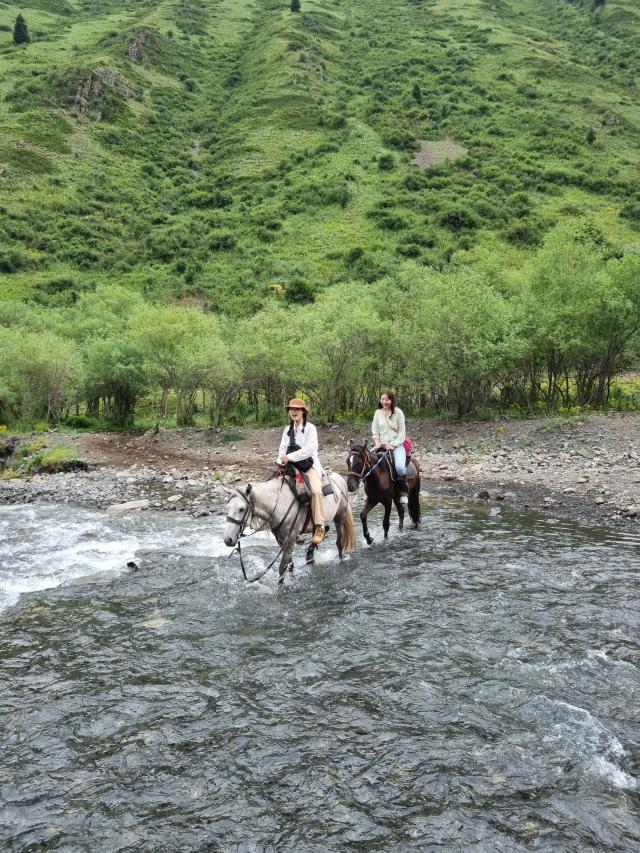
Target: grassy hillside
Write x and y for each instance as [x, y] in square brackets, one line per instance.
[234, 153]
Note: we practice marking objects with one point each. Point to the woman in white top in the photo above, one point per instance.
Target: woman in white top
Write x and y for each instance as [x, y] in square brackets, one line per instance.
[389, 433]
[299, 446]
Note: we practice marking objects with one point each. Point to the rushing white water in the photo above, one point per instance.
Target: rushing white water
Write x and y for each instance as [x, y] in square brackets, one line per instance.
[45, 546]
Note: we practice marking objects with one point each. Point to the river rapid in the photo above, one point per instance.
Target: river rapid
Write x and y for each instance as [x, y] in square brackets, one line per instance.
[474, 685]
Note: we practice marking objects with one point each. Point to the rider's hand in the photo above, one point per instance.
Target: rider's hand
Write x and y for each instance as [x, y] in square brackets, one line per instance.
[285, 460]
[388, 446]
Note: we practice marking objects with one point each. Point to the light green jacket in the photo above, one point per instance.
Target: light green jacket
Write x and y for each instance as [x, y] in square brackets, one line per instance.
[389, 430]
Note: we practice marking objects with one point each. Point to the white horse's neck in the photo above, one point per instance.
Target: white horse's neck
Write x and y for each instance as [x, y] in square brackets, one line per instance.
[266, 497]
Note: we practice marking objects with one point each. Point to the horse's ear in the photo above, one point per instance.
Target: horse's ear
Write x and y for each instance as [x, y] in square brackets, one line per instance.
[247, 491]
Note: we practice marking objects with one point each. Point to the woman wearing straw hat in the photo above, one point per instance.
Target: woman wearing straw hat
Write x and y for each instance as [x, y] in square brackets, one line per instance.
[299, 446]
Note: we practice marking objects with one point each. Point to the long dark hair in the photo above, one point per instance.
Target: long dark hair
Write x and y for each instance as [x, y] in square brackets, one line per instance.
[392, 397]
[304, 423]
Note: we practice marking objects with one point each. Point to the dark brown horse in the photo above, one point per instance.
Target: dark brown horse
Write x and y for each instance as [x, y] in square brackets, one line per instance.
[381, 486]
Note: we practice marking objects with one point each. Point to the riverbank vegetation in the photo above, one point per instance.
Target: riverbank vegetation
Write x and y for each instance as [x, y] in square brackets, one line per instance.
[206, 207]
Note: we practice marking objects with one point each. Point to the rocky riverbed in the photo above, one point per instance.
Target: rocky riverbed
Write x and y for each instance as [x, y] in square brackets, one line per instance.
[585, 469]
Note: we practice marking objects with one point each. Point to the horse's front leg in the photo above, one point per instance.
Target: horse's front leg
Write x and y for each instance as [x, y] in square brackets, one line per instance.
[386, 519]
[286, 561]
[400, 508]
[366, 509]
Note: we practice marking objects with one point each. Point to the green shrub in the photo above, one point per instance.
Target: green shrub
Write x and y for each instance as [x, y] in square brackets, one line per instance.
[221, 241]
[82, 422]
[458, 218]
[631, 211]
[527, 232]
[52, 461]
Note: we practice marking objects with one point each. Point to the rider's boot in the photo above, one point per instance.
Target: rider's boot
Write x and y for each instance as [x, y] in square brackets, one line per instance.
[318, 534]
[404, 489]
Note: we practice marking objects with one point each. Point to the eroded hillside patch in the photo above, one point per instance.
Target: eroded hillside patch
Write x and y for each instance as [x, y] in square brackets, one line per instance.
[432, 153]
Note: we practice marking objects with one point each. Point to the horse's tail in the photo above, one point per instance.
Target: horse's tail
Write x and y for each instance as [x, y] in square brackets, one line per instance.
[414, 499]
[348, 531]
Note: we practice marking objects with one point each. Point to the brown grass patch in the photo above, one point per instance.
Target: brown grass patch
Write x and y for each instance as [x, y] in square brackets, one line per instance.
[437, 152]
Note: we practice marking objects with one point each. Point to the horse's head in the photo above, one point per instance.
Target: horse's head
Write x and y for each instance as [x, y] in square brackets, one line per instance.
[239, 509]
[358, 463]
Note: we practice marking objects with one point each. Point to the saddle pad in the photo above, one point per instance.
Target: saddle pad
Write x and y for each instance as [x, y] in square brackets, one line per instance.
[411, 470]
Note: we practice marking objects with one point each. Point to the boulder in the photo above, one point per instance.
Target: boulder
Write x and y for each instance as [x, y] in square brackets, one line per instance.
[129, 506]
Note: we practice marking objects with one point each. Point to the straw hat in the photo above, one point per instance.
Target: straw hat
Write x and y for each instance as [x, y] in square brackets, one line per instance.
[297, 404]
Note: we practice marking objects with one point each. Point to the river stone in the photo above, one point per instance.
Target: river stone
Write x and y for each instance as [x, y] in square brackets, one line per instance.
[173, 499]
[129, 506]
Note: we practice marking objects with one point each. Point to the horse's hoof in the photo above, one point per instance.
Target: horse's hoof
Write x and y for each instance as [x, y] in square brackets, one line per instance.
[369, 541]
[290, 567]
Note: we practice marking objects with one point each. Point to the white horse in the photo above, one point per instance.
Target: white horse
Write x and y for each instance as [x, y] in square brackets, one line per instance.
[273, 506]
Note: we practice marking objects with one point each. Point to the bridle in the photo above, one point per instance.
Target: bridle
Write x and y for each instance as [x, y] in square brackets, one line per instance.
[366, 463]
[247, 513]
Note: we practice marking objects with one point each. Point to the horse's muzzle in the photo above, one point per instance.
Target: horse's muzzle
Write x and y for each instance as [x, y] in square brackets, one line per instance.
[353, 482]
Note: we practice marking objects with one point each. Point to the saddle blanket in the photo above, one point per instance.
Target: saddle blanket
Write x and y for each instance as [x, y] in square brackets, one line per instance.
[303, 491]
[411, 468]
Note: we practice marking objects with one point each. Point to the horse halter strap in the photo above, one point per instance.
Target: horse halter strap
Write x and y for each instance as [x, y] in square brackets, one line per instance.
[366, 460]
[248, 512]
[361, 475]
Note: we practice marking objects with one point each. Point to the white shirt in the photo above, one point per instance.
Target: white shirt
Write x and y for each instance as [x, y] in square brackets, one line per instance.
[308, 443]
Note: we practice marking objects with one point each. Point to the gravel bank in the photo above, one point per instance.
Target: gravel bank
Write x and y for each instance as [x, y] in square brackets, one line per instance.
[587, 470]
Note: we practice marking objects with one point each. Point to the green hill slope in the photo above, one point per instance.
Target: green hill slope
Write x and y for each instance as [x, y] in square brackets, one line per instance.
[236, 153]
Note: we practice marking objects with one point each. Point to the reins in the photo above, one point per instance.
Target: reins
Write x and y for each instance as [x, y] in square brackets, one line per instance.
[361, 476]
[249, 513]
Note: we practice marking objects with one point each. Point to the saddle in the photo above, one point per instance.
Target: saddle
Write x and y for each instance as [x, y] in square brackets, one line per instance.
[390, 462]
[298, 482]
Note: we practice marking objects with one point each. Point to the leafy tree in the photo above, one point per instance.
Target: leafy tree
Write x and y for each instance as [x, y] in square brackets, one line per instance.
[268, 345]
[226, 383]
[295, 5]
[182, 352]
[455, 331]
[343, 341]
[114, 371]
[21, 31]
[106, 311]
[579, 315]
[41, 371]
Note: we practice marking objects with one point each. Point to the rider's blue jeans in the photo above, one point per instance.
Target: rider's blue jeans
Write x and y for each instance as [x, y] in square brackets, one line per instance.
[400, 458]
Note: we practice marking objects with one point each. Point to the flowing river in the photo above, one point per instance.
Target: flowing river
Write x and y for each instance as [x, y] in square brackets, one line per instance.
[474, 685]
